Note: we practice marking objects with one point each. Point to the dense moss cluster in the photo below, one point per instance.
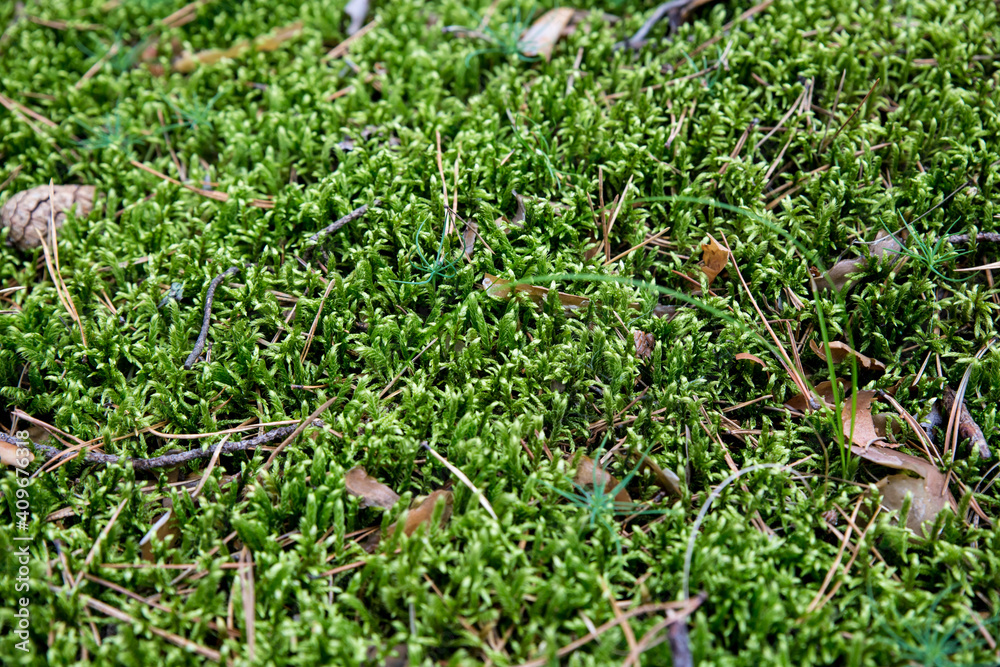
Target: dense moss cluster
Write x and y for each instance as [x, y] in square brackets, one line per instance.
[893, 107]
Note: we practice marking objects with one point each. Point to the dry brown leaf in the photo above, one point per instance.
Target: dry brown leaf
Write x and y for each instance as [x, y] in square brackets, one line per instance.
[590, 475]
[872, 368]
[424, 511]
[927, 500]
[840, 273]
[189, 62]
[518, 219]
[665, 479]
[863, 432]
[9, 455]
[968, 429]
[714, 258]
[541, 37]
[419, 514]
[469, 238]
[644, 344]
[802, 403]
[929, 490]
[27, 212]
[498, 288]
[372, 492]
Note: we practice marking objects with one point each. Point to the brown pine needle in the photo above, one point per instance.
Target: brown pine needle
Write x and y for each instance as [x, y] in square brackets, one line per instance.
[465, 480]
[611, 223]
[856, 110]
[312, 329]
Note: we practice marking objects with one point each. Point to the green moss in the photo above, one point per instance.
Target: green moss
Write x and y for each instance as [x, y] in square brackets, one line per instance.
[494, 384]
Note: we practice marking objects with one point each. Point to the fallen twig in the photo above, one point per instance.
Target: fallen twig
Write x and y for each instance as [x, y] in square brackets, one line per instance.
[167, 460]
[982, 237]
[350, 217]
[199, 345]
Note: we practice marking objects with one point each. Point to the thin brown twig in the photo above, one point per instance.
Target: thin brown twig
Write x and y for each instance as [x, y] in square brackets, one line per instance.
[199, 344]
[350, 217]
[297, 431]
[167, 460]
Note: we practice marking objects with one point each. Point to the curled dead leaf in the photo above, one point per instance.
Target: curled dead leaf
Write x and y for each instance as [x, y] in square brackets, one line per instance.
[840, 273]
[858, 424]
[541, 37]
[498, 288]
[26, 213]
[372, 492]
[418, 515]
[871, 369]
[929, 490]
[665, 479]
[423, 512]
[713, 259]
[589, 475]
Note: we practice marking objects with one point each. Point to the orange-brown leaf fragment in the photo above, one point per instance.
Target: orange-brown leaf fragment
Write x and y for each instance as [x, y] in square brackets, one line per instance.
[372, 492]
[541, 37]
[26, 214]
[713, 258]
[644, 344]
[422, 513]
[590, 475]
[840, 273]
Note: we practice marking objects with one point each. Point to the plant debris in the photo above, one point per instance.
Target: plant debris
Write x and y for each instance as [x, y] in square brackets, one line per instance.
[927, 500]
[372, 492]
[14, 453]
[968, 429]
[871, 369]
[714, 259]
[885, 244]
[199, 344]
[590, 475]
[541, 37]
[645, 343]
[189, 62]
[26, 213]
[499, 288]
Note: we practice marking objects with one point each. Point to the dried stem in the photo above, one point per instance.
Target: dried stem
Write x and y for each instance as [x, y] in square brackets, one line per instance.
[350, 217]
[199, 344]
[168, 460]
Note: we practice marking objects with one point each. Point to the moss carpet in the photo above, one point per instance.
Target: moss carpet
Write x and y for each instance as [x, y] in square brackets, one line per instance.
[794, 133]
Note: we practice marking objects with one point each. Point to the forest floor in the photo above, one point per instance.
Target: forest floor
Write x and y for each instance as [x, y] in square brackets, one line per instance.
[663, 346]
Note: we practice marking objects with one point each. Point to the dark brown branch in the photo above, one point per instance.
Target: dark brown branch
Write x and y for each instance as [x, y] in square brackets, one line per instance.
[167, 460]
[209, 297]
[350, 217]
[984, 237]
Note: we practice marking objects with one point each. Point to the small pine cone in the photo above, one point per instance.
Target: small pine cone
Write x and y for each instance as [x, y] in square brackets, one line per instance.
[27, 212]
